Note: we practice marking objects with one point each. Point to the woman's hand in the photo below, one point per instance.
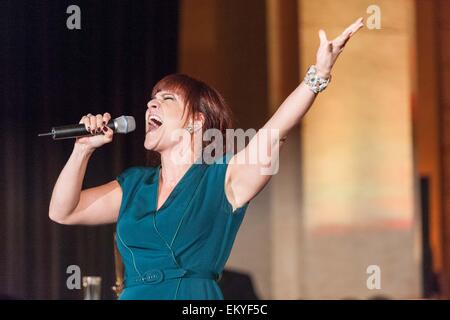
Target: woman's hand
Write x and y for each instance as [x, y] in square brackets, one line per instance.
[97, 126]
[329, 50]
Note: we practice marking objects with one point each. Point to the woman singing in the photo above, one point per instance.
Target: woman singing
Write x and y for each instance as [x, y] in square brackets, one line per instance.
[177, 221]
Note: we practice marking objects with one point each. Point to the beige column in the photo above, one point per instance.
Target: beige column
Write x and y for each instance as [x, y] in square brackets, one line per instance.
[358, 170]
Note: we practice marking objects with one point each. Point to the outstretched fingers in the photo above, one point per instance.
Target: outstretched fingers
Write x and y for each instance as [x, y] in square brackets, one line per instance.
[324, 42]
[323, 37]
[342, 39]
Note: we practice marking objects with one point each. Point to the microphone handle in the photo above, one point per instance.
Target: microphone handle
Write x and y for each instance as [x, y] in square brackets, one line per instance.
[75, 131]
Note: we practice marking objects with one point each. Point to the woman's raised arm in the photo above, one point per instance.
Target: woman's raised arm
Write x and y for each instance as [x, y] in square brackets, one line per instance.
[244, 178]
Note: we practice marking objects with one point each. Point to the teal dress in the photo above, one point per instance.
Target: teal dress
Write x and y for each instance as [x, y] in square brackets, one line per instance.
[180, 250]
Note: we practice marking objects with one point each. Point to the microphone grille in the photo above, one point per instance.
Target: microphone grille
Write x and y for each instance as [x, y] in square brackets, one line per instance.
[125, 124]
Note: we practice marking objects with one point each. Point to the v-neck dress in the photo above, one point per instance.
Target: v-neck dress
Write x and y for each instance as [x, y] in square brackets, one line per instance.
[180, 250]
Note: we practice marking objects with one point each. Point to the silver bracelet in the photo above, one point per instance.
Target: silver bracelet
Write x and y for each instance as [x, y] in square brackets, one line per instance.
[314, 82]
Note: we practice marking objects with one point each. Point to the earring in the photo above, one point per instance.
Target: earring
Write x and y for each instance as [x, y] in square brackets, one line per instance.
[190, 128]
[193, 127]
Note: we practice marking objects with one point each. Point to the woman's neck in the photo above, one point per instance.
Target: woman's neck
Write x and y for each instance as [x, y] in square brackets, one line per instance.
[172, 170]
[174, 166]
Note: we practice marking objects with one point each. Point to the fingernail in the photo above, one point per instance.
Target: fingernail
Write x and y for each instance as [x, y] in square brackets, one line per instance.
[105, 129]
[98, 130]
[104, 122]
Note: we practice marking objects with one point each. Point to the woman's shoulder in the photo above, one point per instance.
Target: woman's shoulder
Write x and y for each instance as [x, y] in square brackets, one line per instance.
[135, 173]
[218, 166]
[220, 159]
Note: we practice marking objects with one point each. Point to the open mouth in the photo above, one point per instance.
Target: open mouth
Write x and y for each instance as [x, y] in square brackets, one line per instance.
[154, 122]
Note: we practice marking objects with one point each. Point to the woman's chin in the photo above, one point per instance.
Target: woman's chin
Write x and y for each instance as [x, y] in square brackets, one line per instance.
[152, 139]
[150, 144]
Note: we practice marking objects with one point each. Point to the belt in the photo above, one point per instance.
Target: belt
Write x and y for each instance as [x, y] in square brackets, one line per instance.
[158, 275]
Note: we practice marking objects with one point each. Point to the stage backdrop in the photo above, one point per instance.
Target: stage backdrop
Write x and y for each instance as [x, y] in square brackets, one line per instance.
[51, 75]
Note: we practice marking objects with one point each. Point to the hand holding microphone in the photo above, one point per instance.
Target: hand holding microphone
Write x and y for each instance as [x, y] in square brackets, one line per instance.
[97, 127]
[94, 131]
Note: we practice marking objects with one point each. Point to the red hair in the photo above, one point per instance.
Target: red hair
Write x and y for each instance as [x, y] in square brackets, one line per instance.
[198, 97]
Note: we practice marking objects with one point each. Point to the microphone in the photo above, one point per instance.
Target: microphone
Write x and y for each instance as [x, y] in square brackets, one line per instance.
[123, 124]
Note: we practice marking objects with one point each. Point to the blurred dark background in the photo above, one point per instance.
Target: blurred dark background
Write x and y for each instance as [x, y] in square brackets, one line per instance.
[51, 76]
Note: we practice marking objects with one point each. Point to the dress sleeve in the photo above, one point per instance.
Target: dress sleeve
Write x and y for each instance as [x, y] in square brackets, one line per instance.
[128, 181]
[219, 170]
[126, 177]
